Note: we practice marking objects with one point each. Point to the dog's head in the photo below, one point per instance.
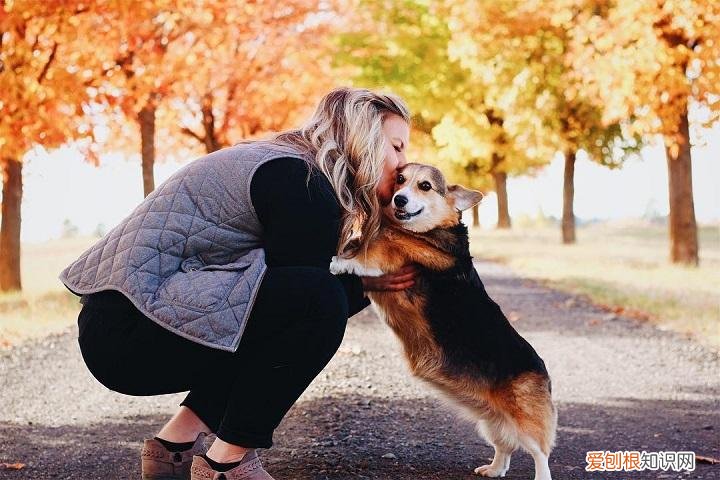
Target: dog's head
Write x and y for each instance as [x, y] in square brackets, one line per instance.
[422, 200]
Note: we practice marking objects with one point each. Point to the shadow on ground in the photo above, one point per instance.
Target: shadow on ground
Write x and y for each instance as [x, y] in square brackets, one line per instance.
[346, 437]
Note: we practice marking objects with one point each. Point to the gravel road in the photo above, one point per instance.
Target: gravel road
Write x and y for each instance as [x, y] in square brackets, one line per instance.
[618, 384]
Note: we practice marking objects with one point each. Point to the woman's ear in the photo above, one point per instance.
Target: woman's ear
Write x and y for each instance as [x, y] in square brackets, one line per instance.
[464, 198]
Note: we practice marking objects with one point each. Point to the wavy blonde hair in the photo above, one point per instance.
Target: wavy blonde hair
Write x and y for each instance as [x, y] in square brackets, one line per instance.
[344, 139]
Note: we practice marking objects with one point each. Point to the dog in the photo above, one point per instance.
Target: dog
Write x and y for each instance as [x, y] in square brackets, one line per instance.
[454, 336]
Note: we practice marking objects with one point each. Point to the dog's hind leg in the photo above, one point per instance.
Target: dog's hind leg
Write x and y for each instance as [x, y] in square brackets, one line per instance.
[503, 437]
[536, 419]
[542, 469]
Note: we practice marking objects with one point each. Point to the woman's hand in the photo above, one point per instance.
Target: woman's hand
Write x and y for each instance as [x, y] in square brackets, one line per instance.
[391, 282]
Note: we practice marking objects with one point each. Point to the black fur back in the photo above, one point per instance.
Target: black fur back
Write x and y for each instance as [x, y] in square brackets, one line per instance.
[471, 329]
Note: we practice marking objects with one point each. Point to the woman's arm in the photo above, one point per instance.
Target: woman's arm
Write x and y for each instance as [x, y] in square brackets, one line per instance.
[301, 224]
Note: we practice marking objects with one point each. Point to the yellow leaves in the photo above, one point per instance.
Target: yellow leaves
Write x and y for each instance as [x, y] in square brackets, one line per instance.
[561, 18]
[648, 58]
[459, 143]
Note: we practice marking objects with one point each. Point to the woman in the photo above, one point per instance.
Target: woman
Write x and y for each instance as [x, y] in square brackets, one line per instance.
[218, 282]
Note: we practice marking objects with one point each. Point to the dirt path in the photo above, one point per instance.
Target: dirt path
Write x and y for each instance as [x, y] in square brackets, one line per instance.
[619, 385]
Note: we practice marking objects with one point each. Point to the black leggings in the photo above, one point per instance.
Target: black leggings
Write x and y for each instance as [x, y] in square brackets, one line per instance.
[295, 327]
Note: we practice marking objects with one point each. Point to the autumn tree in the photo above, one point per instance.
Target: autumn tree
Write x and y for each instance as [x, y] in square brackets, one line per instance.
[145, 52]
[44, 70]
[464, 169]
[256, 71]
[213, 72]
[146, 45]
[539, 34]
[405, 46]
[491, 144]
[657, 61]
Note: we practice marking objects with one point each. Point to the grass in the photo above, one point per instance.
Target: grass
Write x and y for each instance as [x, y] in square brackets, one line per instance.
[621, 266]
[44, 306]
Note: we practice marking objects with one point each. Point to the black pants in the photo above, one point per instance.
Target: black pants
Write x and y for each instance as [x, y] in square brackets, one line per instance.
[295, 327]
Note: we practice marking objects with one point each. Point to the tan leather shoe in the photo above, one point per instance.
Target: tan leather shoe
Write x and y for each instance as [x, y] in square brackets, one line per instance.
[250, 469]
[159, 463]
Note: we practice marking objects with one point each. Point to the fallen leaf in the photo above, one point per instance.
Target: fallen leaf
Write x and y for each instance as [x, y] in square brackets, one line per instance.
[12, 466]
[710, 460]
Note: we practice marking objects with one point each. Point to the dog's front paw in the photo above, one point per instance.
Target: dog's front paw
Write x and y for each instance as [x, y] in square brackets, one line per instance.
[491, 470]
[338, 265]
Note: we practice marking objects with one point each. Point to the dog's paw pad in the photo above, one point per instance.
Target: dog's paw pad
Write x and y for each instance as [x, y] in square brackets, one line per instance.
[490, 471]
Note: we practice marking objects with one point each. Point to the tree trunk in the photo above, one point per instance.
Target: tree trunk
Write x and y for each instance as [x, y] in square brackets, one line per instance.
[146, 120]
[568, 215]
[475, 216]
[10, 226]
[208, 120]
[502, 199]
[683, 229]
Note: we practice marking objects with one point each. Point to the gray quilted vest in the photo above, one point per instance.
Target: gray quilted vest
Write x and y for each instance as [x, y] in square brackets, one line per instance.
[189, 256]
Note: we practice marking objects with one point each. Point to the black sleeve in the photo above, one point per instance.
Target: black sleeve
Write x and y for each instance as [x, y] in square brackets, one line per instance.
[301, 223]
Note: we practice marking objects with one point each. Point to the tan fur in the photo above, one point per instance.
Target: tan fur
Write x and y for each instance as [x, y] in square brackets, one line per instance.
[395, 247]
[518, 412]
[525, 401]
[440, 206]
[406, 320]
[521, 406]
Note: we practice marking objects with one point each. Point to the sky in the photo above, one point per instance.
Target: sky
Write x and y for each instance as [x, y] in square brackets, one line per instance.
[61, 185]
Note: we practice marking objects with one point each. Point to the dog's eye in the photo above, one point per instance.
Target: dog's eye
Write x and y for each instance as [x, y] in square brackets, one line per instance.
[400, 179]
[425, 186]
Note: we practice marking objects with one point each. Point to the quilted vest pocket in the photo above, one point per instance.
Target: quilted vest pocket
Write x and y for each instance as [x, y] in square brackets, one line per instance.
[201, 287]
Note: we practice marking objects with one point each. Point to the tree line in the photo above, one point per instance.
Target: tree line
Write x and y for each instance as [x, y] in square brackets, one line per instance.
[502, 86]
[498, 88]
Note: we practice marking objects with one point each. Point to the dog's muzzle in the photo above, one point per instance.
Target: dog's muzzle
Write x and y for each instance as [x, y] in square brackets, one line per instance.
[405, 215]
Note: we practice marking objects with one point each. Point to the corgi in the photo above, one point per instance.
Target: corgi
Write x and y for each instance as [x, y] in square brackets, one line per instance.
[454, 336]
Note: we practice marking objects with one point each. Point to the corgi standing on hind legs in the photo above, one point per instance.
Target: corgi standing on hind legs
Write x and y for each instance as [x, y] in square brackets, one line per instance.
[454, 336]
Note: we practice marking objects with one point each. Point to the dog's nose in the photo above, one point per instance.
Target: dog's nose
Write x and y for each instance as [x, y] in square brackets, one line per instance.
[400, 200]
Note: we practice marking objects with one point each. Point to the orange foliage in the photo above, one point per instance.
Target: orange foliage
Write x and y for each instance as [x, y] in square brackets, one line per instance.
[216, 71]
[44, 71]
[647, 59]
[256, 70]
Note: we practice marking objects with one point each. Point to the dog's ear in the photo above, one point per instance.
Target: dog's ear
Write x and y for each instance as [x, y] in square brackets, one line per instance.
[464, 197]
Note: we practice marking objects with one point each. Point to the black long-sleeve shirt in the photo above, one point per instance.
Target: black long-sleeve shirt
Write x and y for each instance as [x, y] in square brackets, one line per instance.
[301, 224]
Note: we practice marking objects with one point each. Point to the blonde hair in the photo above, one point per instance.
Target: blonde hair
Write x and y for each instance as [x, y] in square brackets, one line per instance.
[344, 139]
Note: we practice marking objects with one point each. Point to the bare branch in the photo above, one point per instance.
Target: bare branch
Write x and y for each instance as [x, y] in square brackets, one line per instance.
[188, 131]
[2, 64]
[125, 64]
[35, 43]
[49, 62]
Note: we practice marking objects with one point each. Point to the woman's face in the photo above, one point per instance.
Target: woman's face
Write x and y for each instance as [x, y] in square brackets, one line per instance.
[397, 136]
